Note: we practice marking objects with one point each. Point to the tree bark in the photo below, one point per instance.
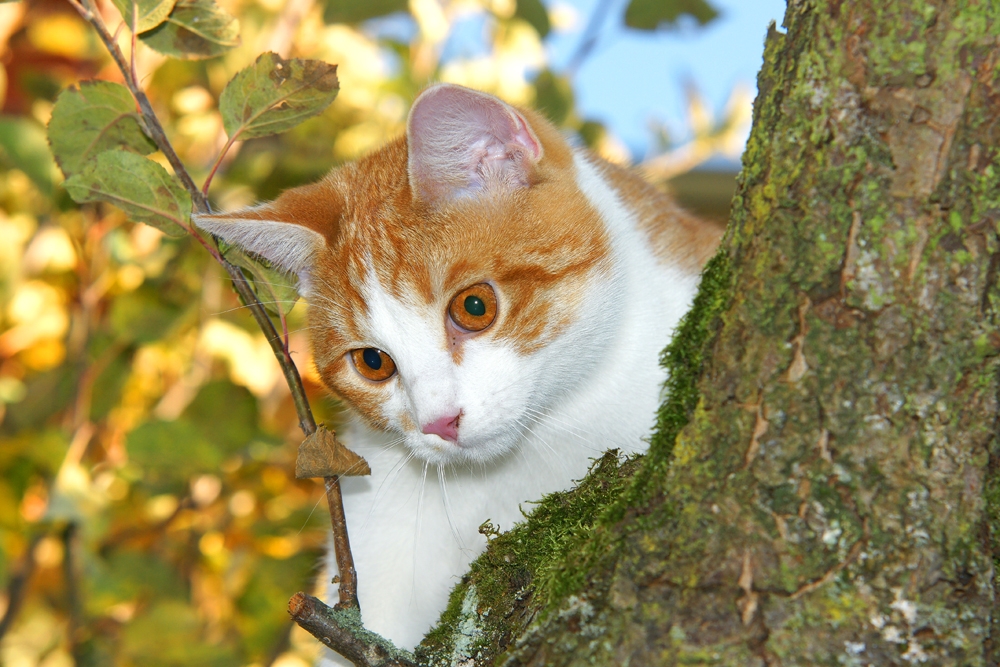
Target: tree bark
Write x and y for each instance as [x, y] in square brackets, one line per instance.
[820, 489]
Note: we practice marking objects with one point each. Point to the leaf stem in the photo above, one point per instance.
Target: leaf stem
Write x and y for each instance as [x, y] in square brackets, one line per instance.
[218, 163]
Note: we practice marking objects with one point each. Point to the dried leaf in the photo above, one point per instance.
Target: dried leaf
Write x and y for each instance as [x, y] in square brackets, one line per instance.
[194, 29]
[151, 12]
[322, 455]
[274, 95]
[138, 186]
[91, 118]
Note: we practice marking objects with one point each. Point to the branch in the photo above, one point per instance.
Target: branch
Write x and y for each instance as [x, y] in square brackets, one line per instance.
[341, 631]
[345, 561]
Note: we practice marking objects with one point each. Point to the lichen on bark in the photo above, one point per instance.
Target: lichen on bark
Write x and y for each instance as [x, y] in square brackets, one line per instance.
[820, 490]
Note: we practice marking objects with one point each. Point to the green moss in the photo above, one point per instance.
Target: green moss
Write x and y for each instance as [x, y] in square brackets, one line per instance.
[684, 356]
[521, 569]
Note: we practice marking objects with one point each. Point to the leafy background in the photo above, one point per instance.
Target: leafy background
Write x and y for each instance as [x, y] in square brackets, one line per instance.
[149, 513]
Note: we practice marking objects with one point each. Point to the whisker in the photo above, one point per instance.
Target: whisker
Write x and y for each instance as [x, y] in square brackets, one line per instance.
[416, 534]
[563, 426]
[550, 449]
[447, 510]
[389, 479]
[265, 303]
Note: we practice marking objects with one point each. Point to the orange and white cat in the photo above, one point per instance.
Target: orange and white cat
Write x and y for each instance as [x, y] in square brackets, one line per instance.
[491, 302]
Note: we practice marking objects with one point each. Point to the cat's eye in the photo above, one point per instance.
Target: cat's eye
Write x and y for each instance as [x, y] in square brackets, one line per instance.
[474, 308]
[373, 364]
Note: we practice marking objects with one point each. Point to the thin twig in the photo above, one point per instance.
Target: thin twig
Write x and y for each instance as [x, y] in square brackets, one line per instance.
[17, 587]
[347, 589]
[341, 630]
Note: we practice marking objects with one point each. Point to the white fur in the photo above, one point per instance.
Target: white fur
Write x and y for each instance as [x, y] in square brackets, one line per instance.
[530, 425]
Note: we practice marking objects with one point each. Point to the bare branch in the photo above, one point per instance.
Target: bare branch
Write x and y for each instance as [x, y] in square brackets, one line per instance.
[341, 630]
[348, 587]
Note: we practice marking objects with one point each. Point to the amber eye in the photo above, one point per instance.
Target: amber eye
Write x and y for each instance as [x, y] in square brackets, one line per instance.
[373, 364]
[474, 308]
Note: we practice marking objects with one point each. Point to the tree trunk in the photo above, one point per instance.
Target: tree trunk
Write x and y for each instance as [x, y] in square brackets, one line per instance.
[819, 490]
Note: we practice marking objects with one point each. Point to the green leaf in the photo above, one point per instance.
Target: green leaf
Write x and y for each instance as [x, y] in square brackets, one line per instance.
[352, 11]
[534, 12]
[138, 186]
[23, 141]
[274, 95]
[651, 14]
[91, 118]
[151, 12]
[194, 29]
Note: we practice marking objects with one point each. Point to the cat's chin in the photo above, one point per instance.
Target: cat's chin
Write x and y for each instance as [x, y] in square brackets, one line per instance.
[479, 451]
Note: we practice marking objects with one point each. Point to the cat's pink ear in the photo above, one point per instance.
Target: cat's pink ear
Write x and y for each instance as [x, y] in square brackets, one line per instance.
[462, 141]
[274, 231]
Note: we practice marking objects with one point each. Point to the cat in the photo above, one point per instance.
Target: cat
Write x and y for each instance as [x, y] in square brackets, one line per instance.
[491, 303]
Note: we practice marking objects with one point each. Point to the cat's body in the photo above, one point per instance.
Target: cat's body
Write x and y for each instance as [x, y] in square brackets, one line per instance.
[492, 303]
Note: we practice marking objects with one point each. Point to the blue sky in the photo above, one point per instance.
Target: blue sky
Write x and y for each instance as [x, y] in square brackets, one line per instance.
[632, 77]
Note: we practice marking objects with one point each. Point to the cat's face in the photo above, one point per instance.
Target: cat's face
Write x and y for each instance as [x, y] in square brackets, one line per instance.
[448, 302]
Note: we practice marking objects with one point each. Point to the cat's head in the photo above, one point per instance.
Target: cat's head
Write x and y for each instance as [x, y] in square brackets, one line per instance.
[450, 275]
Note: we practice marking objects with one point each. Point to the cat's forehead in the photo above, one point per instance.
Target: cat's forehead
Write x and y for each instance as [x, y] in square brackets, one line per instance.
[535, 244]
[381, 227]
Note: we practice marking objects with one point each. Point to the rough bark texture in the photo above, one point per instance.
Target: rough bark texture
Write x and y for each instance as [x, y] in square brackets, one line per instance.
[821, 488]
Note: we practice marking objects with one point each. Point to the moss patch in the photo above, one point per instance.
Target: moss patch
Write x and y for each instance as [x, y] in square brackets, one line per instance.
[520, 572]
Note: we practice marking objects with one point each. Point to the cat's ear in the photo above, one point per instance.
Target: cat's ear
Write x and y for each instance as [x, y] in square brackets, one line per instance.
[289, 232]
[462, 141]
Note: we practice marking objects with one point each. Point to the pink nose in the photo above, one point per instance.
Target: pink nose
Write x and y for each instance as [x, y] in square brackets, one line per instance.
[446, 427]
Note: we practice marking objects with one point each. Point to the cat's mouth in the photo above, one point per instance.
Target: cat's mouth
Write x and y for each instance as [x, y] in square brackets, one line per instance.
[467, 447]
